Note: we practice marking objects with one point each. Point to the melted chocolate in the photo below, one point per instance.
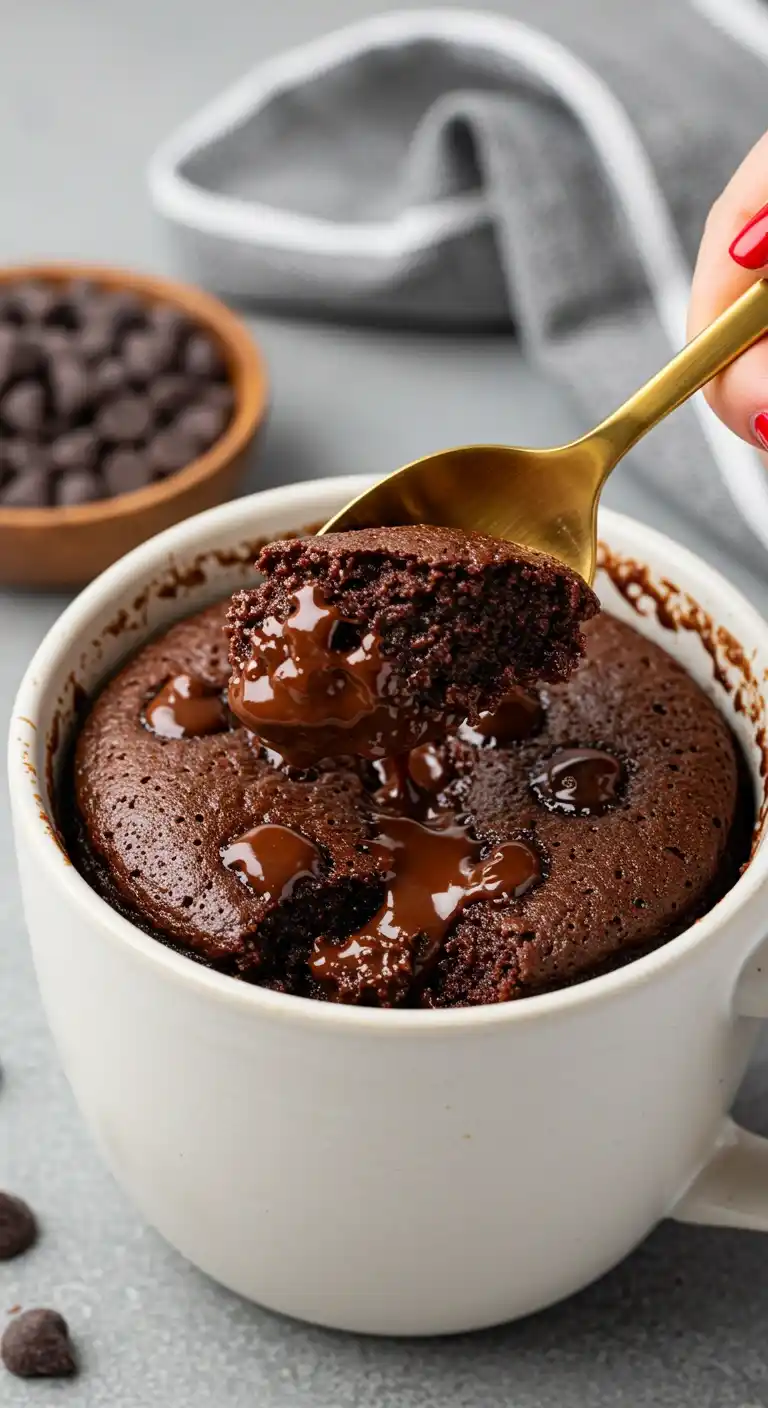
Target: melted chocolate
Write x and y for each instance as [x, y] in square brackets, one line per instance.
[270, 859]
[314, 688]
[186, 707]
[432, 874]
[581, 781]
[518, 716]
[412, 782]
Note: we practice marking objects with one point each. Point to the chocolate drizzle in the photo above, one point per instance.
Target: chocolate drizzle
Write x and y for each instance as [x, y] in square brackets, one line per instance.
[432, 873]
[316, 686]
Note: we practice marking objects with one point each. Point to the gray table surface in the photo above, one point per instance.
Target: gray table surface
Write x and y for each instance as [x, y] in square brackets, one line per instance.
[86, 90]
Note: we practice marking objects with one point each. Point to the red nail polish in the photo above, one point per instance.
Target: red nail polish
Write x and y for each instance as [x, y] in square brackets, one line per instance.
[750, 247]
[759, 425]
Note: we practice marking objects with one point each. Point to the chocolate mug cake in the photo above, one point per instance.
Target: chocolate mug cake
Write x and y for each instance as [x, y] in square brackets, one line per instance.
[509, 824]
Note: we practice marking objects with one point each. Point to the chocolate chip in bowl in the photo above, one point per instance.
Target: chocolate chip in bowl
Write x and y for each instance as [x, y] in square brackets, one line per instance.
[127, 402]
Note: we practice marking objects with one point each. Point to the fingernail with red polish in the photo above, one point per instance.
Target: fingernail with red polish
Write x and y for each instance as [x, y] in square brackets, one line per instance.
[759, 426]
[750, 247]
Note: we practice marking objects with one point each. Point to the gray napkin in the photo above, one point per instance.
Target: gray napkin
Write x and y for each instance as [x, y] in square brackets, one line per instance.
[448, 167]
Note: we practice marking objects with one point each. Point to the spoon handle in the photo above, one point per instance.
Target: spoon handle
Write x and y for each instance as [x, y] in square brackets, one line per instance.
[744, 323]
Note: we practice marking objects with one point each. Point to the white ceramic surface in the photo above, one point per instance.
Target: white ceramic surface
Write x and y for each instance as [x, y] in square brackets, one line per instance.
[390, 1172]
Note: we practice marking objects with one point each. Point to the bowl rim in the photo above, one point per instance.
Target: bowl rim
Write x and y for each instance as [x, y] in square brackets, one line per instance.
[33, 826]
[248, 377]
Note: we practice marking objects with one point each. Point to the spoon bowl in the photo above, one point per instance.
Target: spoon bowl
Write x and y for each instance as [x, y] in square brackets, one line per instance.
[533, 497]
[548, 499]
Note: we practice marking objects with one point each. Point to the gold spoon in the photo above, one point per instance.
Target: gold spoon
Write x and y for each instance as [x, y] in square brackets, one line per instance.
[547, 499]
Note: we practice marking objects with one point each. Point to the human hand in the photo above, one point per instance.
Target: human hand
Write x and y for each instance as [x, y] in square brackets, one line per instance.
[732, 255]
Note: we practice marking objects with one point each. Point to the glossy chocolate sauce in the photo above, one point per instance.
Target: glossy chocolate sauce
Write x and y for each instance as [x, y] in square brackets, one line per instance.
[580, 781]
[270, 859]
[317, 686]
[186, 707]
[432, 873]
[411, 783]
[518, 716]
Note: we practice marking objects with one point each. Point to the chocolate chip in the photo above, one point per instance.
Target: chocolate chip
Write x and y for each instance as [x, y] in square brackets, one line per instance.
[19, 357]
[50, 341]
[122, 310]
[126, 470]
[221, 395]
[80, 486]
[202, 423]
[201, 357]
[108, 377]
[36, 1345]
[23, 407]
[18, 1229]
[69, 384]
[146, 355]
[126, 418]
[64, 314]
[169, 393]
[169, 451]
[36, 300]
[29, 489]
[10, 311]
[20, 455]
[97, 339]
[75, 449]
[170, 323]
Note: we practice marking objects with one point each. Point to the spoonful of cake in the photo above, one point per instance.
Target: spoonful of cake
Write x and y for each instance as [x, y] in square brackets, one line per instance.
[377, 641]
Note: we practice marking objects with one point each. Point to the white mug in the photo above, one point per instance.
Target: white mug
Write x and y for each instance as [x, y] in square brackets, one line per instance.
[396, 1172]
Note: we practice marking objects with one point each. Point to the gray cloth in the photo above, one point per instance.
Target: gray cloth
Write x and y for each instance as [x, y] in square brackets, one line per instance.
[533, 233]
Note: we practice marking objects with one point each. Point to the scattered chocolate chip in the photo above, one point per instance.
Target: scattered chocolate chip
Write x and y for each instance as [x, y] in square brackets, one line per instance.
[202, 423]
[169, 393]
[169, 451]
[125, 418]
[69, 384]
[22, 408]
[36, 1345]
[125, 470]
[81, 486]
[201, 357]
[76, 449]
[18, 1229]
[29, 489]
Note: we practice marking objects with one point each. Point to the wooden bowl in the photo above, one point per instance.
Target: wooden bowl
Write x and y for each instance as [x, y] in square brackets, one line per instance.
[67, 547]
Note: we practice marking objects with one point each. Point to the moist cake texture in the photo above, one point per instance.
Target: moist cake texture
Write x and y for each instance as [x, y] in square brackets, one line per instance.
[375, 641]
[572, 828]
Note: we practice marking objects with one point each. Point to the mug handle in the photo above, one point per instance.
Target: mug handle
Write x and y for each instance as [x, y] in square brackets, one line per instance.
[732, 1188]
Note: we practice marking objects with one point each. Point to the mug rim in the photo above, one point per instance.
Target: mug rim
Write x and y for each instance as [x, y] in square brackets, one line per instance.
[178, 967]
